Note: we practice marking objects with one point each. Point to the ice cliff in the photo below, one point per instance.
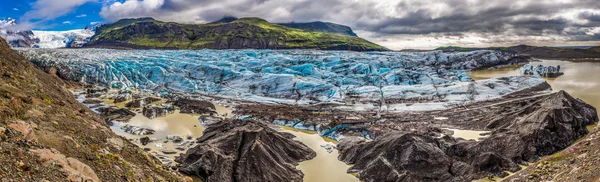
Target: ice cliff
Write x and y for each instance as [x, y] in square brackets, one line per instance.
[293, 76]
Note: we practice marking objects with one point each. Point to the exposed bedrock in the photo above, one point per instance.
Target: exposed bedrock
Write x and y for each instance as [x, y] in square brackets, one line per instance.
[522, 130]
[235, 150]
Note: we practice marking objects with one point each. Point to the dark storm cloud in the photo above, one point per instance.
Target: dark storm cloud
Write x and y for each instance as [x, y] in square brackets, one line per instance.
[572, 20]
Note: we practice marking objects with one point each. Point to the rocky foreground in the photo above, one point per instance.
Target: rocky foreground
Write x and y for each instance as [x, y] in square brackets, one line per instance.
[236, 150]
[45, 134]
[392, 113]
[414, 146]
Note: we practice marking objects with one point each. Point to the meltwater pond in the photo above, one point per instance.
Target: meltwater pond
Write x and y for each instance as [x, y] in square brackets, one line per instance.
[580, 79]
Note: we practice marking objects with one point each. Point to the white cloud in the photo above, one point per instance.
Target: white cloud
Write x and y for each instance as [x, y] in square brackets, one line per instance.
[393, 23]
[15, 9]
[45, 10]
[94, 23]
[67, 22]
[81, 16]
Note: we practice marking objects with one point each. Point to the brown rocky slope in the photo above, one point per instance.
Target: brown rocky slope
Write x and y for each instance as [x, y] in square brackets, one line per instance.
[45, 134]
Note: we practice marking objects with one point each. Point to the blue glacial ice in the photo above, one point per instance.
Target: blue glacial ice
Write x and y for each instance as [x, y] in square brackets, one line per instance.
[541, 70]
[290, 76]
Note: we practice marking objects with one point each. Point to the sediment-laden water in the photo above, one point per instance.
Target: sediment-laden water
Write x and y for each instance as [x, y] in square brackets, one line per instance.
[580, 78]
[324, 167]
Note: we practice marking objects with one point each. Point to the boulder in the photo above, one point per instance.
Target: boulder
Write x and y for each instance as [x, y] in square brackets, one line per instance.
[168, 151]
[174, 138]
[236, 150]
[145, 140]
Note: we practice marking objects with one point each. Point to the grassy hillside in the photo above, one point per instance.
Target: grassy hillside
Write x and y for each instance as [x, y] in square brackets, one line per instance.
[322, 27]
[244, 33]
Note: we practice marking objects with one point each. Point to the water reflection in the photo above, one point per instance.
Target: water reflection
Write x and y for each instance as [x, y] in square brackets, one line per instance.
[325, 166]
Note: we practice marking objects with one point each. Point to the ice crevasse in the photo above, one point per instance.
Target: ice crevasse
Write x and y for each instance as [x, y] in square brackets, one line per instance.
[286, 76]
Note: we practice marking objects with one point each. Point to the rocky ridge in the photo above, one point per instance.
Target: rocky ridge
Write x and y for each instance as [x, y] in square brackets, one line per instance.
[236, 150]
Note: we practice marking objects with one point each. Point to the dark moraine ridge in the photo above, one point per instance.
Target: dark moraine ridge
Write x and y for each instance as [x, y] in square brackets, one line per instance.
[522, 130]
[236, 150]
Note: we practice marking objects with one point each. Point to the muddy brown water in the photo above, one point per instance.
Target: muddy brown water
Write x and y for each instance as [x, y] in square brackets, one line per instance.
[580, 80]
[325, 166]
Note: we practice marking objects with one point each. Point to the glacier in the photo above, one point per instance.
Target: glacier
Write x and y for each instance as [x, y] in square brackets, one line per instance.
[62, 39]
[9, 30]
[426, 79]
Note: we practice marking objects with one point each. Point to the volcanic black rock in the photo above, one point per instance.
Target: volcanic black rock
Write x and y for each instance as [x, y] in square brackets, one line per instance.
[522, 130]
[236, 150]
[157, 111]
[116, 114]
[138, 103]
[189, 106]
[145, 140]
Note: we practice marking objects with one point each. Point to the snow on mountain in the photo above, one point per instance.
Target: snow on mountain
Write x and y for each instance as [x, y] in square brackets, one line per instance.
[14, 36]
[293, 76]
[43, 39]
[60, 39]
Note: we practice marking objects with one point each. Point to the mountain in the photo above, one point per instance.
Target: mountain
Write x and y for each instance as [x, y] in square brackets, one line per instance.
[47, 135]
[16, 37]
[61, 39]
[244, 33]
[43, 39]
[322, 27]
[538, 52]
[317, 26]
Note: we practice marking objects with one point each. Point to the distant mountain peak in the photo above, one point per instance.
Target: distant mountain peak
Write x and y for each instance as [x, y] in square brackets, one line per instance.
[228, 33]
[226, 19]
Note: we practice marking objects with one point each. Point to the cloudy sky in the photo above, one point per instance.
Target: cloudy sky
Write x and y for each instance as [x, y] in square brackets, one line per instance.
[396, 24]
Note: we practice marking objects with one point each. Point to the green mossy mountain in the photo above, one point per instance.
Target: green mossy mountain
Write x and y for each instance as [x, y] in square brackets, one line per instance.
[244, 33]
[319, 26]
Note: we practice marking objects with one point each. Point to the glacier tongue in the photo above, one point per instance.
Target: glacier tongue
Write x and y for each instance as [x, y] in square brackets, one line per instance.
[291, 76]
[61, 39]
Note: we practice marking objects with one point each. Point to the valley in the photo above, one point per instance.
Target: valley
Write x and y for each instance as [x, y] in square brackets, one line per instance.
[369, 104]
